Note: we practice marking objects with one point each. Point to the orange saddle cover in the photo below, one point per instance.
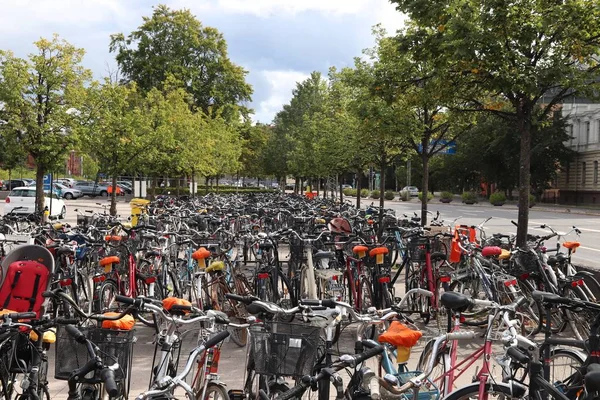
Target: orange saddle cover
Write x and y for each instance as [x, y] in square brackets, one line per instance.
[399, 334]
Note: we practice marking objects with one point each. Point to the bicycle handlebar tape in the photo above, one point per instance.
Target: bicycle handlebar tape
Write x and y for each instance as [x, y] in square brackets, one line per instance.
[329, 303]
[368, 354]
[129, 300]
[462, 335]
[517, 355]
[218, 338]
[108, 377]
[76, 334]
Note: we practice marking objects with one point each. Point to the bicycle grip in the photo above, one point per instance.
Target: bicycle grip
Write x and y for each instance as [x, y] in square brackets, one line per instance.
[329, 303]
[218, 338]
[108, 377]
[295, 392]
[124, 299]
[517, 355]
[76, 334]
[242, 299]
[368, 354]
[462, 335]
[22, 315]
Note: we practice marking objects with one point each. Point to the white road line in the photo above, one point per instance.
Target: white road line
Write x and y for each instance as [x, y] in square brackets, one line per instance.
[589, 248]
[589, 230]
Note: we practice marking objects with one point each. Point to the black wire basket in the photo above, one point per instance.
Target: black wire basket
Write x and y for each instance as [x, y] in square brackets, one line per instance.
[525, 262]
[116, 346]
[416, 249]
[284, 349]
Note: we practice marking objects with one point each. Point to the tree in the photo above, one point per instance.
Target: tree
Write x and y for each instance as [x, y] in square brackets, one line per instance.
[41, 95]
[412, 86]
[175, 43]
[528, 53]
[11, 153]
[254, 146]
[117, 135]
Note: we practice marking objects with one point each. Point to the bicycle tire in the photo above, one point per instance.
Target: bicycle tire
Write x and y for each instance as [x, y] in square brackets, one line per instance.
[440, 363]
[106, 296]
[143, 289]
[592, 286]
[472, 391]
[214, 389]
[366, 294]
[579, 322]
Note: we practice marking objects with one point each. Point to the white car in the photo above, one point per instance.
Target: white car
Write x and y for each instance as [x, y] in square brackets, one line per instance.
[413, 191]
[22, 201]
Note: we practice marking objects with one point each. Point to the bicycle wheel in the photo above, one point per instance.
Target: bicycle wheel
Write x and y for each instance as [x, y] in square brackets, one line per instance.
[591, 287]
[366, 295]
[440, 366]
[214, 392]
[493, 390]
[106, 296]
[565, 367]
[152, 290]
[579, 321]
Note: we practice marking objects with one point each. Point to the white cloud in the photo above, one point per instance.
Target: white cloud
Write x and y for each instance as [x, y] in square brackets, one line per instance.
[281, 84]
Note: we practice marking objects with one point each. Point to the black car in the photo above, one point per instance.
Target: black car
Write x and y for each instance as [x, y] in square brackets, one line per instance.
[13, 183]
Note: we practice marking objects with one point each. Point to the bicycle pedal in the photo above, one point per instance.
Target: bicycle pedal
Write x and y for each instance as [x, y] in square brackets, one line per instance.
[235, 394]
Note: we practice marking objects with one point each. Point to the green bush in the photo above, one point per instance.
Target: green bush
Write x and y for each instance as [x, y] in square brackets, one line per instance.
[498, 198]
[447, 196]
[469, 197]
[364, 193]
[531, 200]
[375, 194]
[348, 191]
[405, 195]
[389, 195]
[429, 196]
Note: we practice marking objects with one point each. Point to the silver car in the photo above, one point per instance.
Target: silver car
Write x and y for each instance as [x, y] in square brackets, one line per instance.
[67, 192]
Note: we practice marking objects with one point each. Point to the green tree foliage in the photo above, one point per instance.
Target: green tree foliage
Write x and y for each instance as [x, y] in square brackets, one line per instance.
[254, 150]
[118, 134]
[41, 96]
[527, 53]
[175, 43]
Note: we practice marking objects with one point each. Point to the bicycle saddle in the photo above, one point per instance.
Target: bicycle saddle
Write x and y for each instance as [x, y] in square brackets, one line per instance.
[592, 378]
[455, 301]
[438, 257]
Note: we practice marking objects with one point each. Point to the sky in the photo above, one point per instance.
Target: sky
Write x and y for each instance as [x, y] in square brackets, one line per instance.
[279, 42]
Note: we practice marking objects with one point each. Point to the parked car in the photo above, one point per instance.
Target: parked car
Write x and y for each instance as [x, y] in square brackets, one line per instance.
[346, 186]
[67, 192]
[413, 191]
[14, 183]
[92, 189]
[22, 201]
[126, 185]
[68, 182]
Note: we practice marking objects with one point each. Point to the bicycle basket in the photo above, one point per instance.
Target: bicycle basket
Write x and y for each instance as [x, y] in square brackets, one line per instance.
[525, 262]
[114, 345]
[284, 349]
[416, 249]
[84, 220]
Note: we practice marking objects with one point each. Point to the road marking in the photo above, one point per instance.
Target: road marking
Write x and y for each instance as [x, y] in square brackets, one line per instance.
[589, 248]
[588, 230]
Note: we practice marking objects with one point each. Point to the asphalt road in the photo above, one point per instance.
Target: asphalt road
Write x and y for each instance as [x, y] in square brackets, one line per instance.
[561, 220]
[233, 358]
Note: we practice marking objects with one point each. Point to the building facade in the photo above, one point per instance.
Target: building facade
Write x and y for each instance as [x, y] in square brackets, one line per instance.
[578, 182]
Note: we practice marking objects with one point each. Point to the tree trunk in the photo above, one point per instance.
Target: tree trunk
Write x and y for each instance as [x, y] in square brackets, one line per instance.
[341, 192]
[217, 181]
[113, 196]
[39, 190]
[358, 188]
[193, 190]
[153, 187]
[524, 128]
[425, 184]
[381, 196]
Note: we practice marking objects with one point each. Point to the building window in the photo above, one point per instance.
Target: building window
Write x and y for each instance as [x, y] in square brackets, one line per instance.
[595, 172]
[583, 174]
[587, 132]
